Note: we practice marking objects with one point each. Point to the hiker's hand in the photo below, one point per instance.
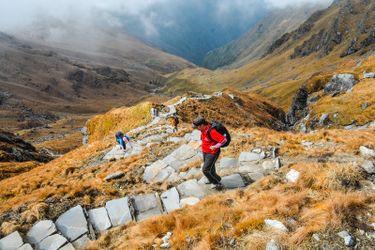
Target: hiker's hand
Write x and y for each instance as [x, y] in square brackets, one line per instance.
[213, 147]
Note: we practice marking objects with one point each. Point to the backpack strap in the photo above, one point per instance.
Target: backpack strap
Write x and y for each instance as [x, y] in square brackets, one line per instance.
[209, 135]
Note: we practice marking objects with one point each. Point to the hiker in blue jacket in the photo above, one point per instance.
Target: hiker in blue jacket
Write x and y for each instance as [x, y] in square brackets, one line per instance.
[122, 139]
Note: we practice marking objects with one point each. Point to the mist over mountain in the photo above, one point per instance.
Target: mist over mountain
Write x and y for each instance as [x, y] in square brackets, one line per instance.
[188, 29]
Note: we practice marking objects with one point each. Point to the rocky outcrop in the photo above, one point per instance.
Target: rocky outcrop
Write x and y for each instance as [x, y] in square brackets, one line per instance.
[340, 83]
[298, 109]
[13, 148]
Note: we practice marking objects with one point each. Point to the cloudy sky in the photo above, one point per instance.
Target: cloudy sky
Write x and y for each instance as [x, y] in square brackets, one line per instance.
[186, 28]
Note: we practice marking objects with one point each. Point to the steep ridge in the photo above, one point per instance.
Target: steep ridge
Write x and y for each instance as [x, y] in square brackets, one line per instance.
[281, 72]
[255, 42]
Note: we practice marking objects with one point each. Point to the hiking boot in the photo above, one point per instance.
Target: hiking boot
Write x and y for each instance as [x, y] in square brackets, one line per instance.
[218, 187]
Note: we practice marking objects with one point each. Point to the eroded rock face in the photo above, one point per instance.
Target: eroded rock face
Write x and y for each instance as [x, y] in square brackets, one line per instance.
[13, 148]
[298, 109]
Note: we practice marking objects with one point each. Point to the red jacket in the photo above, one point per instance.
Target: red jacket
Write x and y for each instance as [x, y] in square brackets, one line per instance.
[207, 142]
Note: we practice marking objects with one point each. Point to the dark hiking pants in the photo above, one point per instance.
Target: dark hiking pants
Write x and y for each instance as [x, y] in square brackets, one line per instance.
[209, 167]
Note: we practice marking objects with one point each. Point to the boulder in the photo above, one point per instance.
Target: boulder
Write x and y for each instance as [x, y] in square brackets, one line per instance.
[170, 199]
[340, 83]
[255, 176]
[368, 166]
[115, 175]
[251, 168]
[271, 165]
[115, 153]
[118, 211]
[189, 201]
[152, 170]
[292, 176]
[323, 120]
[81, 242]
[272, 245]
[275, 224]
[25, 247]
[250, 156]
[228, 162]
[11, 241]
[369, 75]
[203, 180]
[99, 219]
[53, 242]
[190, 188]
[72, 224]
[40, 231]
[146, 206]
[348, 239]
[366, 152]
[233, 181]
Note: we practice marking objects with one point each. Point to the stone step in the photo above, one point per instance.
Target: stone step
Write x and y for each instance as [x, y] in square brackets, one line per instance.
[11, 241]
[171, 200]
[233, 181]
[72, 224]
[146, 206]
[99, 219]
[52, 242]
[40, 231]
[191, 188]
[120, 211]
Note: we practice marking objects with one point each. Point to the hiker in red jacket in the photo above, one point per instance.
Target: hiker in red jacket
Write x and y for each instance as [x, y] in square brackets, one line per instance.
[212, 140]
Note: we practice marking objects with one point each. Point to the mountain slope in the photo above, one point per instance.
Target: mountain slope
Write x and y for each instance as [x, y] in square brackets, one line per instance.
[255, 42]
[40, 75]
[291, 61]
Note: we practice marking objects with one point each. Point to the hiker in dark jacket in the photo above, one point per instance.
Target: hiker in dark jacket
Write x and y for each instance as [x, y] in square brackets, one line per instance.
[122, 140]
[212, 141]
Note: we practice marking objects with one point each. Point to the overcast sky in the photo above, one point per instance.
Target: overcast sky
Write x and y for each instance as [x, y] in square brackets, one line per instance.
[20, 13]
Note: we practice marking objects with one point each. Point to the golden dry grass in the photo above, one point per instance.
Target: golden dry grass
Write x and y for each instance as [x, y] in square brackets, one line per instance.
[123, 119]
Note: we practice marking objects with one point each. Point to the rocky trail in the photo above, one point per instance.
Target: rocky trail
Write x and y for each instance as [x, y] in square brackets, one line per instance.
[75, 228]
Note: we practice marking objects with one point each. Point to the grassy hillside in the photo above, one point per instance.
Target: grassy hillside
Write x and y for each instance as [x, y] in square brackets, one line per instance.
[278, 76]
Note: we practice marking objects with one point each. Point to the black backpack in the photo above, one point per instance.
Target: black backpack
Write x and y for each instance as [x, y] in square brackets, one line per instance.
[222, 130]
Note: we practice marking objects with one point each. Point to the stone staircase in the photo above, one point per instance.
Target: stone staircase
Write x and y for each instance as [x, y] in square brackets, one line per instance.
[76, 227]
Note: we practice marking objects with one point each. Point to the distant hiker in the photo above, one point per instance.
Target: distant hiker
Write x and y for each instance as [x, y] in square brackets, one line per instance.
[214, 136]
[175, 122]
[122, 140]
[154, 111]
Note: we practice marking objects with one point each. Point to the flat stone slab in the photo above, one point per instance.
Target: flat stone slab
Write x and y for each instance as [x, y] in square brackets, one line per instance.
[170, 199]
[255, 176]
[193, 173]
[146, 206]
[115, 153]
[164, 174]
[25, 247]
[53, 242]
[184, 152]
[118, 211]
[250, 156]
[368, 166]
[228, 162]
[99, 219]
[251, 168]
[191, 188]
[233, 181]
[81, 242]
[68, 246]
[152, 170]
[72, 224]
[115, 175]
[40, 231]
[189, 201]
[11, 241]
